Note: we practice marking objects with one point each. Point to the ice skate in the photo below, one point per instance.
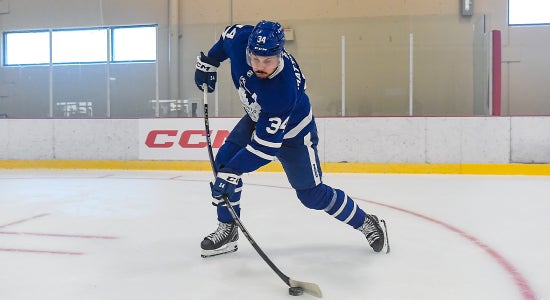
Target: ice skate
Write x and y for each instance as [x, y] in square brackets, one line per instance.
[375, 234]
[223, 240]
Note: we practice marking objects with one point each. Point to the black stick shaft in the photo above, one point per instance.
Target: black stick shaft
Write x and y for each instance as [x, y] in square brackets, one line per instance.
[285, 278]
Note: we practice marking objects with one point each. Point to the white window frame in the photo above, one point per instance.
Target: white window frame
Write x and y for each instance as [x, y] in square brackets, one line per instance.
[80, 47]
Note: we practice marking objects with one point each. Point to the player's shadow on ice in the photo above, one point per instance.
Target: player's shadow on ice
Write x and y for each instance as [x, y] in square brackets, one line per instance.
[333, 261]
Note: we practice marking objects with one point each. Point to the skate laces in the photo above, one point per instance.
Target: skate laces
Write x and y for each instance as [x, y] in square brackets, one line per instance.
[370, 230]
[224, 229]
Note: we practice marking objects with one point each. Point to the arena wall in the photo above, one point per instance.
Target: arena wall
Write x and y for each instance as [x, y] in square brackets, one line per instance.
[354, 140]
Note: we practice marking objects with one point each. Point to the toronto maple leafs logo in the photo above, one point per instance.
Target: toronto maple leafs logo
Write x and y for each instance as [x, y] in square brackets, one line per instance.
[248, 94]
[249, 100]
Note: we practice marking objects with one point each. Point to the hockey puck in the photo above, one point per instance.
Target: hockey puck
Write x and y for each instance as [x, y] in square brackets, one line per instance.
[295, 291]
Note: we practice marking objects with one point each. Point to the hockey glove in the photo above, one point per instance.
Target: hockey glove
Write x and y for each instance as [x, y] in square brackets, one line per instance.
[225, 185]
[206, 72]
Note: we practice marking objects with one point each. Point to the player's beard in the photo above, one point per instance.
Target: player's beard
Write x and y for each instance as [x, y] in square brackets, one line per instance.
[261, 74]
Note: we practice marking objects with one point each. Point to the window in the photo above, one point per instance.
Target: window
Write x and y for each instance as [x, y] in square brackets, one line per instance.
[134, 43]
[24, 48]
[529, 12]
[79, 46]
[86, 45]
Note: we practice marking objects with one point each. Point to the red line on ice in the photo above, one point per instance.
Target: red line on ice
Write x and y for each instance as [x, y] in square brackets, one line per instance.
[24, 220]
[520, 281]
[80, 236]
[40, 251]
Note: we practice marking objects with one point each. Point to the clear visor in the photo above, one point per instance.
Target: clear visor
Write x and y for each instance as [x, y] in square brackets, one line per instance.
[250, 55]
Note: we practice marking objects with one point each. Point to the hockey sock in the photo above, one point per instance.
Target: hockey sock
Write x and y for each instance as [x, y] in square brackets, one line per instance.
[334, 202]
[344, 209]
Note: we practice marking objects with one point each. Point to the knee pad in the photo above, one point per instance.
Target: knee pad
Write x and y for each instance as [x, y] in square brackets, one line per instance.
[318, 197]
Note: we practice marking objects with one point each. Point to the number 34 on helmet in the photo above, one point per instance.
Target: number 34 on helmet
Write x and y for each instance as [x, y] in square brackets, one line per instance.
[267, 39]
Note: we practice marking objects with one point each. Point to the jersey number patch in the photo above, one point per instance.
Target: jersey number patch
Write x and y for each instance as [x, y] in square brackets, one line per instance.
[276, 124]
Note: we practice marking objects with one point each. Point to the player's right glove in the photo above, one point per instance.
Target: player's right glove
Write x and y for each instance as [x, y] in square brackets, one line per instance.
[225, 185]
[206, 72]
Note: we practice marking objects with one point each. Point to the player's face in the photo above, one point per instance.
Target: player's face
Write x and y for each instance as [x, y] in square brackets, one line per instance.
[263, 66]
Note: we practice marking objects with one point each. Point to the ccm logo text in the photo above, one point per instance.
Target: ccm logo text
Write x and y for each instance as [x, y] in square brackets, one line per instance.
[185, 138]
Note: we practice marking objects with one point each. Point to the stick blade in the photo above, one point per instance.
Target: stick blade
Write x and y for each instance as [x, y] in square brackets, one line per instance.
[308, 287]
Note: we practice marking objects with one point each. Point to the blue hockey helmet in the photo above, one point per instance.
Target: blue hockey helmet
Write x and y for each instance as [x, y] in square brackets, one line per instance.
[267, 39]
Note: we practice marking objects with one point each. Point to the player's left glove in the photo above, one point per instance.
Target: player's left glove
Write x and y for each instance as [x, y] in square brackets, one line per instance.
[225, 185]
[206, 72]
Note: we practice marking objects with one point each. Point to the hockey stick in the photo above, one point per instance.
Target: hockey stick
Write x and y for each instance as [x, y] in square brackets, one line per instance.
[308, 287]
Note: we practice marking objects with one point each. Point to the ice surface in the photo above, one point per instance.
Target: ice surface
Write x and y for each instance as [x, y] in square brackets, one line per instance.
[82, 234]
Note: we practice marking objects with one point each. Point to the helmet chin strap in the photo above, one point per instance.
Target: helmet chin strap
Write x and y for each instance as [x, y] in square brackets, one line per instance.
[279, 67]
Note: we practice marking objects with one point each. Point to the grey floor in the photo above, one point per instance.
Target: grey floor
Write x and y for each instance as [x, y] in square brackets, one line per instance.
[136, 234]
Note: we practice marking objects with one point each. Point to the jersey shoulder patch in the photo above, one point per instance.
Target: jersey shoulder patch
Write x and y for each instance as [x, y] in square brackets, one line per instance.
[232, 31]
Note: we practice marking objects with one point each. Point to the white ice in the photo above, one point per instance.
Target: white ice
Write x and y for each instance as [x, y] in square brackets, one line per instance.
[136, 234]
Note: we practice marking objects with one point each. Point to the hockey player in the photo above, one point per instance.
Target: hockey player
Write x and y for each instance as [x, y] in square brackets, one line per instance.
[278, 124]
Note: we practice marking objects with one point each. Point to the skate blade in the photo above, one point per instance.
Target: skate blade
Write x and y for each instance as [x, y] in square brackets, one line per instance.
[227, 248]
[386, 237]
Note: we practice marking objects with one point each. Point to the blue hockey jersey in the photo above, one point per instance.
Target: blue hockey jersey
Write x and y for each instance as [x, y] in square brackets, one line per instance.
[278, 105]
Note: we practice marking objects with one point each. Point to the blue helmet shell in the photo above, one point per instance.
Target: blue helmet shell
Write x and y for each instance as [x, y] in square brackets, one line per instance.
[267, 39]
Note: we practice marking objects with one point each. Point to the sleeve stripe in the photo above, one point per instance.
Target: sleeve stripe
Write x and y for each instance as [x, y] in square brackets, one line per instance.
[266, 143]
[294, 131]
[260, 153]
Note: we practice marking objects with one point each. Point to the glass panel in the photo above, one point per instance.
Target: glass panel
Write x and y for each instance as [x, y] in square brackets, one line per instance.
[24, 48]
[128, 99]
[135, 43]
[79, 91]
[79, 46]
[24, 92]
